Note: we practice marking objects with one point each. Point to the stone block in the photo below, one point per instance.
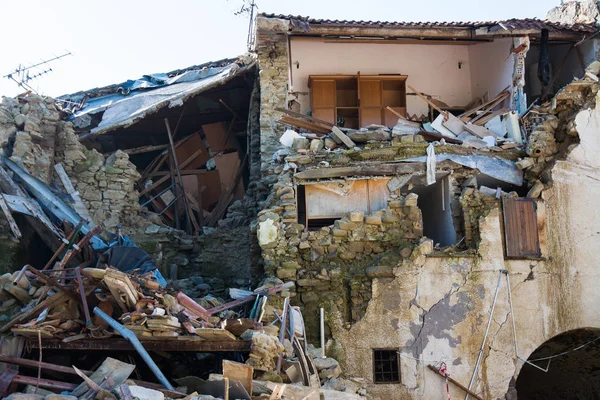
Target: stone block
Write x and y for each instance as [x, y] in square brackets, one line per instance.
[395, 204]
[114, 195]
[316, 145]
[340, 233]
[411, 200]
[405, 252]
[356, 247]
[285, 273]
[373, 220]
[380, 272]
[346, 255]
[390, 218]
[290, 265]
[356, 216]
[344, 224]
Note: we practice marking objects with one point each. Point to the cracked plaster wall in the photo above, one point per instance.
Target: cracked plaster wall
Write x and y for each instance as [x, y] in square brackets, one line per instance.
[436, 309]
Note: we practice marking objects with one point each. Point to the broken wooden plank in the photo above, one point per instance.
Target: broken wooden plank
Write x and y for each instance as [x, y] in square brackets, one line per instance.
[11, 221]
[485, 119]
[49, 302]
[239, 372]
[215, 334]
[436, 136]
[493, 102]
[298, 123]
[28, 206]
[342, 136]
[117, 344]
[479, 131]
[117, 370]
[308, 118]
[454, 382]
[6, 380]
[165, 178]
[431, 103]
[143, 149]
[78, 205]
[361, 170]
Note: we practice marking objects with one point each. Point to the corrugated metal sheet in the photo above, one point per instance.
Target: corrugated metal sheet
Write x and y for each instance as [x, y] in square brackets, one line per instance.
[510, 24]
[124, 104]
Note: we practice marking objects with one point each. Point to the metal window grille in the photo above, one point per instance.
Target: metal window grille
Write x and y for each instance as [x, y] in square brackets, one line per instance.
[386, 367]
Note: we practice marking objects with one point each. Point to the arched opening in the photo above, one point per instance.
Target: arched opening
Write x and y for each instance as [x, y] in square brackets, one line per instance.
[573, 372]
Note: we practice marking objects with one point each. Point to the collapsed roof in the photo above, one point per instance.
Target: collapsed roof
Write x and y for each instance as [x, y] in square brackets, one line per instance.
[106, 109]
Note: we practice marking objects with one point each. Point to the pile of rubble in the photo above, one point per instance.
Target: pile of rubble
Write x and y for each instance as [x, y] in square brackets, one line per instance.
[481, 127]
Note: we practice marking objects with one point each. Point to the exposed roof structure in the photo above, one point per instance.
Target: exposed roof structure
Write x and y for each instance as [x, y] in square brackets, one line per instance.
[124, 104]
[477, 30]
[510, 24]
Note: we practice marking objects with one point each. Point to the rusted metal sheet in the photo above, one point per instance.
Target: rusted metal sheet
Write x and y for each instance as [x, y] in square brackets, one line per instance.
[150, 345]
[520, 228]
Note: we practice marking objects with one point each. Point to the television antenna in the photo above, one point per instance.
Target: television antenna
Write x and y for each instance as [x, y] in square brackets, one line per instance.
[22, 75]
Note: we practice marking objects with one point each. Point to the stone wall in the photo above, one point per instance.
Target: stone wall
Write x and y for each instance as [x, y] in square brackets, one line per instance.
[105, 184]
[32, 134]
[272, 50]
[335, 263]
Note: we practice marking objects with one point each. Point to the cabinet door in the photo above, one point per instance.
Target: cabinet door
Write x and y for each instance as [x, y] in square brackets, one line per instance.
[323, 93]
[370, 93]
[370, 102]
[326, 114]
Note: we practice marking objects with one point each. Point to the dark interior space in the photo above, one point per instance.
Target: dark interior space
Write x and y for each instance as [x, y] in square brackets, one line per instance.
[33, 250]
[486, 180]
[434, 202]
[573, 374]
[566, 61]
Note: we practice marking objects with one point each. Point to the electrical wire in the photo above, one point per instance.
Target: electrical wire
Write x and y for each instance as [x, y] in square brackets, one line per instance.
[565, 352]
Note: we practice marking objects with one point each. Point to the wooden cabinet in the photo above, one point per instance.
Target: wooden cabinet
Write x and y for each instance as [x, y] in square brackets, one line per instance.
[355, 101]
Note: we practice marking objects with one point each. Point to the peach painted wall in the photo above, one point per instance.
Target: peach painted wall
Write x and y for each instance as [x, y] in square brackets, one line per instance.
[431, 69]
[492, 66]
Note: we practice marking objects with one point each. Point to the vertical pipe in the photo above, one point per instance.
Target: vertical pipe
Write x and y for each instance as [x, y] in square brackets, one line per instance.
[127, 334]
[487, 329]
[322, 332]
[284, 315]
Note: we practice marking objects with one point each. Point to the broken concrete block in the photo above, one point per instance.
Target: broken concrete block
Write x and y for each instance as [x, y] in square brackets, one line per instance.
[593, 68]
[525, 163]
[536, 190]
[145, 393]
[364, 136]
[316, 145]
[329, 143]
[301, 143]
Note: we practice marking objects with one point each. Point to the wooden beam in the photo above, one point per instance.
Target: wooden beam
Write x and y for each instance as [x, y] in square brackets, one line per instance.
[78, 205]
[178, 345]
[164, 179]
[454, 382]
[362, 170]
[309, 118]
[11, 221]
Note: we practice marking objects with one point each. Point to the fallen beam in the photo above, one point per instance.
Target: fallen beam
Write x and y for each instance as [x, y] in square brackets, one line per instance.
[44, 383]
[361, 170]
[178, 345]
[457, 384]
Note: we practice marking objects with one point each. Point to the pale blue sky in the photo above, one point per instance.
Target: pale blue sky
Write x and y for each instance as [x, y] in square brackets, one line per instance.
[112, 40]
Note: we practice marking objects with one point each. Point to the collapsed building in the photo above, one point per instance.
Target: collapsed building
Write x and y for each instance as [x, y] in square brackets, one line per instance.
[427, 189]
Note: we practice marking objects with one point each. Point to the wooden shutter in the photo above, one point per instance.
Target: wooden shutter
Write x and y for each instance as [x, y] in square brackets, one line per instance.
[520, 228]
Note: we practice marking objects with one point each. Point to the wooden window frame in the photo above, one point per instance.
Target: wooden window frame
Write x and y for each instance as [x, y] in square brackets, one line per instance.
[399, 375]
